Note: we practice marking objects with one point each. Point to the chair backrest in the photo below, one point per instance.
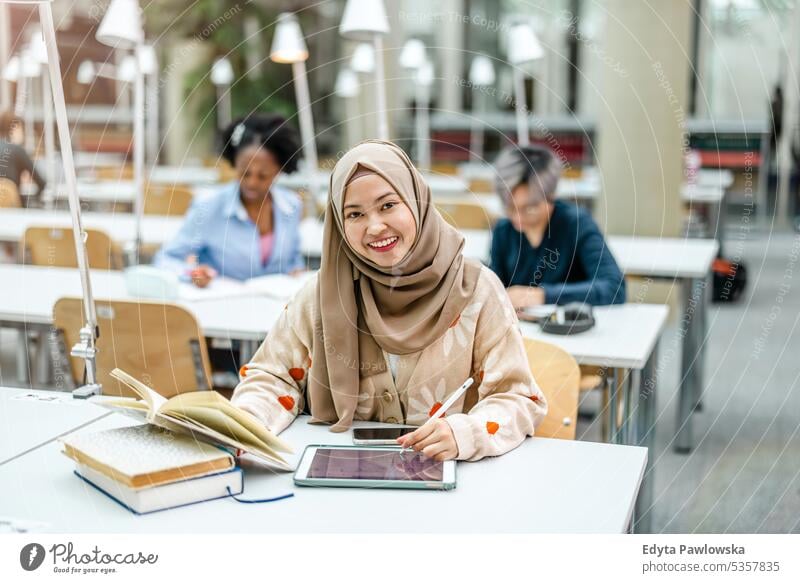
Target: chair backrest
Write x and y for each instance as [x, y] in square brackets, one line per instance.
[9, 194]
[465, 215]
[55, 247]
[124, 172]
[167, 200]
[158, 343]
[558, 375]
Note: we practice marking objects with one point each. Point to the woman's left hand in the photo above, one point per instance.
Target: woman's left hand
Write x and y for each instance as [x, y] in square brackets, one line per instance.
[435, 440]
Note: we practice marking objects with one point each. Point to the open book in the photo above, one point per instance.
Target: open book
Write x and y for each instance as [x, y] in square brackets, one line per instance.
[206, 415]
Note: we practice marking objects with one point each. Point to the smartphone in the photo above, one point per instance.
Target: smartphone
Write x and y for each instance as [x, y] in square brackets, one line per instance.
[379, 435]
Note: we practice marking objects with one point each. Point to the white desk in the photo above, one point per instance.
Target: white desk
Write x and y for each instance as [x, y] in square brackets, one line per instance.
[711, 195]
[28, 305]
[30, 418]
[439, 183]
[624, 337]
[184, 175]
[539, 487]
[156, 230]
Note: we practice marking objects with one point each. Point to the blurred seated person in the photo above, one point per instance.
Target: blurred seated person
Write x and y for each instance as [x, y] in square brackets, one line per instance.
[548, 251]
[15, 164]
[251, 226]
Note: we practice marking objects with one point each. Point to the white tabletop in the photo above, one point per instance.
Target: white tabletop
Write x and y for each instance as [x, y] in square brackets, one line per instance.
[721, 177]
[584, 188]
[184, 175]
[438, 183]
[641, 256]
[29, 418]
[156, 230]
[702, 193]
[539, 487]
[664, 257]
[623, 336]
[36, 290]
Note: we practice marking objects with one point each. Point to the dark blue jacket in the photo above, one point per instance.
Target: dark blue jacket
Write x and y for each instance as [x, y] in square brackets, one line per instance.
[571, 264]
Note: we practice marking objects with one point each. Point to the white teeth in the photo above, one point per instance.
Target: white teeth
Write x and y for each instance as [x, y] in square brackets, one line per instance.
[383, 243]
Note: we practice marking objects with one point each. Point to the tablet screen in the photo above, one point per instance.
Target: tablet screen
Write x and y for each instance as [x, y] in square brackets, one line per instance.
[366, 464]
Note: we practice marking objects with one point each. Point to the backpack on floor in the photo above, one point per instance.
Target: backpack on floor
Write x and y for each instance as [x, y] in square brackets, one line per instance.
[730, 280]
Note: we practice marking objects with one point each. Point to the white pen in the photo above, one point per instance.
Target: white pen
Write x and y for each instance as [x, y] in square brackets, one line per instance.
[447, 404]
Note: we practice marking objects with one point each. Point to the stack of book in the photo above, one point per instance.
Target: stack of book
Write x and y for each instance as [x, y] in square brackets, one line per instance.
[182, 455]
[146, 468]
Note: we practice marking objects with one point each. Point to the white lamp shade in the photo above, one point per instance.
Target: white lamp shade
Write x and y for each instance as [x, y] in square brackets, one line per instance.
[30, 68]
[121, 27]
[11, 71]
[86, 72]
[37, 49]
[363, 60]
[363, 19]
[413, 54]
[481, 71]
[347, 84]
[148, 62]
[126, 71]
[424, 76]
[523, 46]
[222, 72]
[288, 45]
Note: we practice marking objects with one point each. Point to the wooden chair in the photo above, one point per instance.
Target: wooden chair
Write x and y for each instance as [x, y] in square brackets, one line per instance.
[558, 375]
[465, 215]
[9, 194]
[159, 344]
[55, 247]
[167, 200]
[114, 172]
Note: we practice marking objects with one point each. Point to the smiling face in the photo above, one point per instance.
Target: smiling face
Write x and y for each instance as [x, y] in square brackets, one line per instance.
[378, 225]
[257, 169]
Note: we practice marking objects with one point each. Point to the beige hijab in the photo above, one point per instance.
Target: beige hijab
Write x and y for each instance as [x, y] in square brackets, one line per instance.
[362, 307]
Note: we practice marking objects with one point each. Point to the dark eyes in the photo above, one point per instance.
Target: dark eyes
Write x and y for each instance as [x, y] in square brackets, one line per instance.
[352, 215]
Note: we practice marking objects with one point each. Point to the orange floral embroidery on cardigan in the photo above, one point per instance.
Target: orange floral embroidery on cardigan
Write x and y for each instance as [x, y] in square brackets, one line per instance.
[243, 371]
[434, 409]
[297, 373]
[287, 402]
[492, 427]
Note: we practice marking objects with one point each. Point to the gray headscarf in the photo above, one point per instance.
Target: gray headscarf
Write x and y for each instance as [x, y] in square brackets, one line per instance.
[536, 165]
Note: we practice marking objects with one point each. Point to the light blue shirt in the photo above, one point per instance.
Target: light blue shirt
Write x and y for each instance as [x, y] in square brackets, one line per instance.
[219, 232]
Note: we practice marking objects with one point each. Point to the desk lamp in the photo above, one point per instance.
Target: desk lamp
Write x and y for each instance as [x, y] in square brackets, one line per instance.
[365, 20]
[121, 28]
[88, 334]
[288, 46]
[523, 48]
[481, 74]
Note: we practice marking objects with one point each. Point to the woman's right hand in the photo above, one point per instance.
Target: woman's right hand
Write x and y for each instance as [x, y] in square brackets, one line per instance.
[202, 275]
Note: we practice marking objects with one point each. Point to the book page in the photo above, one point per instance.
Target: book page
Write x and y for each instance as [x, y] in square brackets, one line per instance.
[214, 400]
[153, 399]
[206, 434]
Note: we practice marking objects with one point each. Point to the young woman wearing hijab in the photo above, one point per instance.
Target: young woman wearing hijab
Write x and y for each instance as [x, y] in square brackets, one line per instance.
[251, 226]
[548, 251]
[395, 321]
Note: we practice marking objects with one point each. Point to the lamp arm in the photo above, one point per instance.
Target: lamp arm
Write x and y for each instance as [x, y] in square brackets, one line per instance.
[89, 332]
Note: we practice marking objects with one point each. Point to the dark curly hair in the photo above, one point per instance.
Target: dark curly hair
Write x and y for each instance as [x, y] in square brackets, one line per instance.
[272, 132]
